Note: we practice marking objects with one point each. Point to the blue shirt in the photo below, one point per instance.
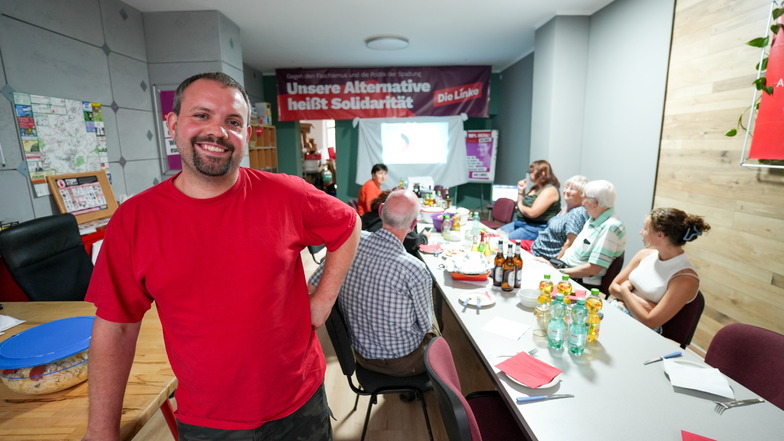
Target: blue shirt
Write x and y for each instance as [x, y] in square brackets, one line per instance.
[550, 240]
[386, 298]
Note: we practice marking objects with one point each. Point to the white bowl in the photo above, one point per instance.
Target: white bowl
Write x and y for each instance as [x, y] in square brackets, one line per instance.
[528, 297]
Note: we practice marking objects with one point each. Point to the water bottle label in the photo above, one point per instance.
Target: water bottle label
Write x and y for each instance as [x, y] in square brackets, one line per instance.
[576, 340]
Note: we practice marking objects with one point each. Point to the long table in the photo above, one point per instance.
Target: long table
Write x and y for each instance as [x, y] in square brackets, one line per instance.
[616, 396]
[63, 415]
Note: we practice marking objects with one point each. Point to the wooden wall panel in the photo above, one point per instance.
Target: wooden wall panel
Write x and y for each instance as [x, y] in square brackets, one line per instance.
[741, 260]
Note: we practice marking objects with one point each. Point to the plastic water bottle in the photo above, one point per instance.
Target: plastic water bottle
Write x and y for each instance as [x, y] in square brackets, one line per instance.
[476, 224]
[578, 332]
[556, 328]
[565, 287]
[594, 304]
[446, 227]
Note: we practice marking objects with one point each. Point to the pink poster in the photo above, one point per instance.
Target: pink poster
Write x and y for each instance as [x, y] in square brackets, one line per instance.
[481, 146]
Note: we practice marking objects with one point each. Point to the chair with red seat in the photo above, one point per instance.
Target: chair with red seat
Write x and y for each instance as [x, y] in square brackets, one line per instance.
[682, 326]
[503, 210]
[480, 415]
[752, 356]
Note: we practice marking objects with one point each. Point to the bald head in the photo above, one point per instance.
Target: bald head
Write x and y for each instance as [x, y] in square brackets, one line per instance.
[400, 211]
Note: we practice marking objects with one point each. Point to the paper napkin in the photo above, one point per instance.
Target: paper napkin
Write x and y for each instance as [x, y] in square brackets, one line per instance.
[690, 375]
[505, 328]
[8, 322]
[688, 436]
[430, 248]
[528, 370]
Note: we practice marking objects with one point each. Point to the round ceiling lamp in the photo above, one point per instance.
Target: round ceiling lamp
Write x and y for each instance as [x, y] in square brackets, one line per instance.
[386, 43]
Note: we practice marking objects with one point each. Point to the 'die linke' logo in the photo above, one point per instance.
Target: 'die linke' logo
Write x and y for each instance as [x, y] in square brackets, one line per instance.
[457, 94]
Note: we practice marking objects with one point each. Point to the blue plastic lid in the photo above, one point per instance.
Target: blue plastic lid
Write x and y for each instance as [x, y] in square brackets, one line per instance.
[46, 343]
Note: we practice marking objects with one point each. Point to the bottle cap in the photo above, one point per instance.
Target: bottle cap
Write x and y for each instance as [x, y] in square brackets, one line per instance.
[581, 300]
[559, 296]
[565, 277]
[547, 277]
[594, 291]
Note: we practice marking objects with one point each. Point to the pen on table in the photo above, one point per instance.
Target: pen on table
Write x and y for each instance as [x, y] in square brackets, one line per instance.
[663, 357]
[542, 398]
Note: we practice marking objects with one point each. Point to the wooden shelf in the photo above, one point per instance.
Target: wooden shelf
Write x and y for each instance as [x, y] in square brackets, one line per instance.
[263, 148]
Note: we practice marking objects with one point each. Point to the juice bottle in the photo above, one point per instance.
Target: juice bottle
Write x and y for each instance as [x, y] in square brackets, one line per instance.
[565, 287]
[446, 227]
[594, 304]
[545, 289]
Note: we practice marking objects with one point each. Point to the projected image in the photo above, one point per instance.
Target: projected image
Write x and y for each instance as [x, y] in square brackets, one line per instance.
[415, 143]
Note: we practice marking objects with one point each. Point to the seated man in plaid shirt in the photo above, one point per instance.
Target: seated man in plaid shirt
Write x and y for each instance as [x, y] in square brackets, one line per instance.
[386, 297]
[602, 239]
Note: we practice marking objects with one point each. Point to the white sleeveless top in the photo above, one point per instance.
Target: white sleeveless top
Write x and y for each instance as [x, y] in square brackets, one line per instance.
[651, 277]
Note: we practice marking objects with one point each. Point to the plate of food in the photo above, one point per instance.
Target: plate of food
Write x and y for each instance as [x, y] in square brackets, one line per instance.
[552, 383]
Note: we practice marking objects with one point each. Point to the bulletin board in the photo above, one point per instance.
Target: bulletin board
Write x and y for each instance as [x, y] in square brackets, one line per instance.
[88, 196]
[164, 102]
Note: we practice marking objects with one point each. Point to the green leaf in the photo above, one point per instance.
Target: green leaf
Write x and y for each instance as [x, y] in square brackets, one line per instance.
[759, 42]
[764, 64]
[777, 12]
[731, 132]
[775, 28]
[759, 83]
[768, 90]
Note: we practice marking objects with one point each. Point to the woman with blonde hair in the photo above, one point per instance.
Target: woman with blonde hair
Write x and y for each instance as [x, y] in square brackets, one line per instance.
[660, 280]
[536, 205]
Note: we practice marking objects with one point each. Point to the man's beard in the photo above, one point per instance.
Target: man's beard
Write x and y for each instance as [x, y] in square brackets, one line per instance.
[208, 165]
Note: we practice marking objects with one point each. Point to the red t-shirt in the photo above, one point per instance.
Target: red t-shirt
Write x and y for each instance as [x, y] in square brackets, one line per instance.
[228, 282]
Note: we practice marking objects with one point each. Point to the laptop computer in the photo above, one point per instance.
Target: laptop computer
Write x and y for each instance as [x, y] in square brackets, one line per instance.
[504, 191]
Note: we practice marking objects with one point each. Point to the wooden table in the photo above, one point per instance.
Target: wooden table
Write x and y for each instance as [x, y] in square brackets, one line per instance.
[616, 396]
[63, 415]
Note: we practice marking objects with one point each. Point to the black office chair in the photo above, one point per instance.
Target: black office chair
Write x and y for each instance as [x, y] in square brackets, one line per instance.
[369, 382]
[682, 326]
[612, 272]
[47, 259]
[313, 250]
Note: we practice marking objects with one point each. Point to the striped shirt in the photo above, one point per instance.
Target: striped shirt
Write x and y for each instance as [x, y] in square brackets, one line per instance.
[386, 298]
[600, 242]
[550, 240]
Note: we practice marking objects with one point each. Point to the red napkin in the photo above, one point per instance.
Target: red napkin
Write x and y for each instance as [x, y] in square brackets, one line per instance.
[528, 370]
[688, 436]
[430, 249]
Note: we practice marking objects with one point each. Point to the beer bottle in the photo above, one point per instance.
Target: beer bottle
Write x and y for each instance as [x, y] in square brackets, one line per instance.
[509, 271]
[518, 263]
[498, 265]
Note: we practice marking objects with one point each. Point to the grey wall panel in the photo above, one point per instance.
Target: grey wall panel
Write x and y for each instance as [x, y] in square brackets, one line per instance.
[141, 175]
[124, 29]
[9, 140]
[253, 83]
[15, 199]
[118, 180]
[230, 42]
[174, 73]
[137, 135]
[79, 19]
[112, 135]
[234, 72]
[44, 206]
[182, 36]
[43, 62]
[130, 82]
[514, 122]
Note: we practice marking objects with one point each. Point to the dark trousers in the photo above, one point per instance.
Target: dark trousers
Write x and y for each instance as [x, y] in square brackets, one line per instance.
[309, 423]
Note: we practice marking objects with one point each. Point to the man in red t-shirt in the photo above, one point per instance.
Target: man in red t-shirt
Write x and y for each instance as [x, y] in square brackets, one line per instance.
[217, 248]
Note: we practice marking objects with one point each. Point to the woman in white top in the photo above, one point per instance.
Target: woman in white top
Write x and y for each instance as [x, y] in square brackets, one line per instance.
[660, 280]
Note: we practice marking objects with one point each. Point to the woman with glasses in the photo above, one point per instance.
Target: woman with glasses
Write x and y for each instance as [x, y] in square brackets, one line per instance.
[535, 206]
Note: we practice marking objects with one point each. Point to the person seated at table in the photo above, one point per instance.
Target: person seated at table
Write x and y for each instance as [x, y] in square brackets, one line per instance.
[371, 221]
[535, 206]
[372, 188]
[386, 298]
[601, 240]
[660, 280]
[561, 229]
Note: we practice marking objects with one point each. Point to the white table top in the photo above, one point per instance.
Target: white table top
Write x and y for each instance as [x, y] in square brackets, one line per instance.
[616, 396]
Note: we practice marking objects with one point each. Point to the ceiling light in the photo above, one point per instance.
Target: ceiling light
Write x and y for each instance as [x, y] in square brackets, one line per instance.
[386, 43]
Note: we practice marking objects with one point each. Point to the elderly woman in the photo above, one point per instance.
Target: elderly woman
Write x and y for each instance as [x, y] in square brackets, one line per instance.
[660, 280]
[537, 205]
[565, 226]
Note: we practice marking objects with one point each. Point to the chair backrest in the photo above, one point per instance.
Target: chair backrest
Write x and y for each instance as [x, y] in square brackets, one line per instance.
[353, 203]
[47, 259]
[338, 335]
[752, 356]
[612, 272]
[458, 417]
[682, 326]
[313, 250]
[503, 210]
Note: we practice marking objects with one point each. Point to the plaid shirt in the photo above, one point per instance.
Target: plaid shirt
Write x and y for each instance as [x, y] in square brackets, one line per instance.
[386, 298]
[600, 242]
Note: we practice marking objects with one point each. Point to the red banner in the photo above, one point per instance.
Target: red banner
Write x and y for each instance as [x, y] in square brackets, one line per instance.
[383, 92]
[768, 139]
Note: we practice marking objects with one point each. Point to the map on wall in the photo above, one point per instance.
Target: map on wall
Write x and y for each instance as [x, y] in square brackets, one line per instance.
[59, 136]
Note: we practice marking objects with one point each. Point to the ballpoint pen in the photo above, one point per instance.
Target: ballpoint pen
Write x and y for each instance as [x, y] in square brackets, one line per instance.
[542, 398]
[673, 355]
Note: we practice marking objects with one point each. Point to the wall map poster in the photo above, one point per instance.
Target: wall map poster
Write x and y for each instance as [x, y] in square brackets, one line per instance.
[59, 136]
